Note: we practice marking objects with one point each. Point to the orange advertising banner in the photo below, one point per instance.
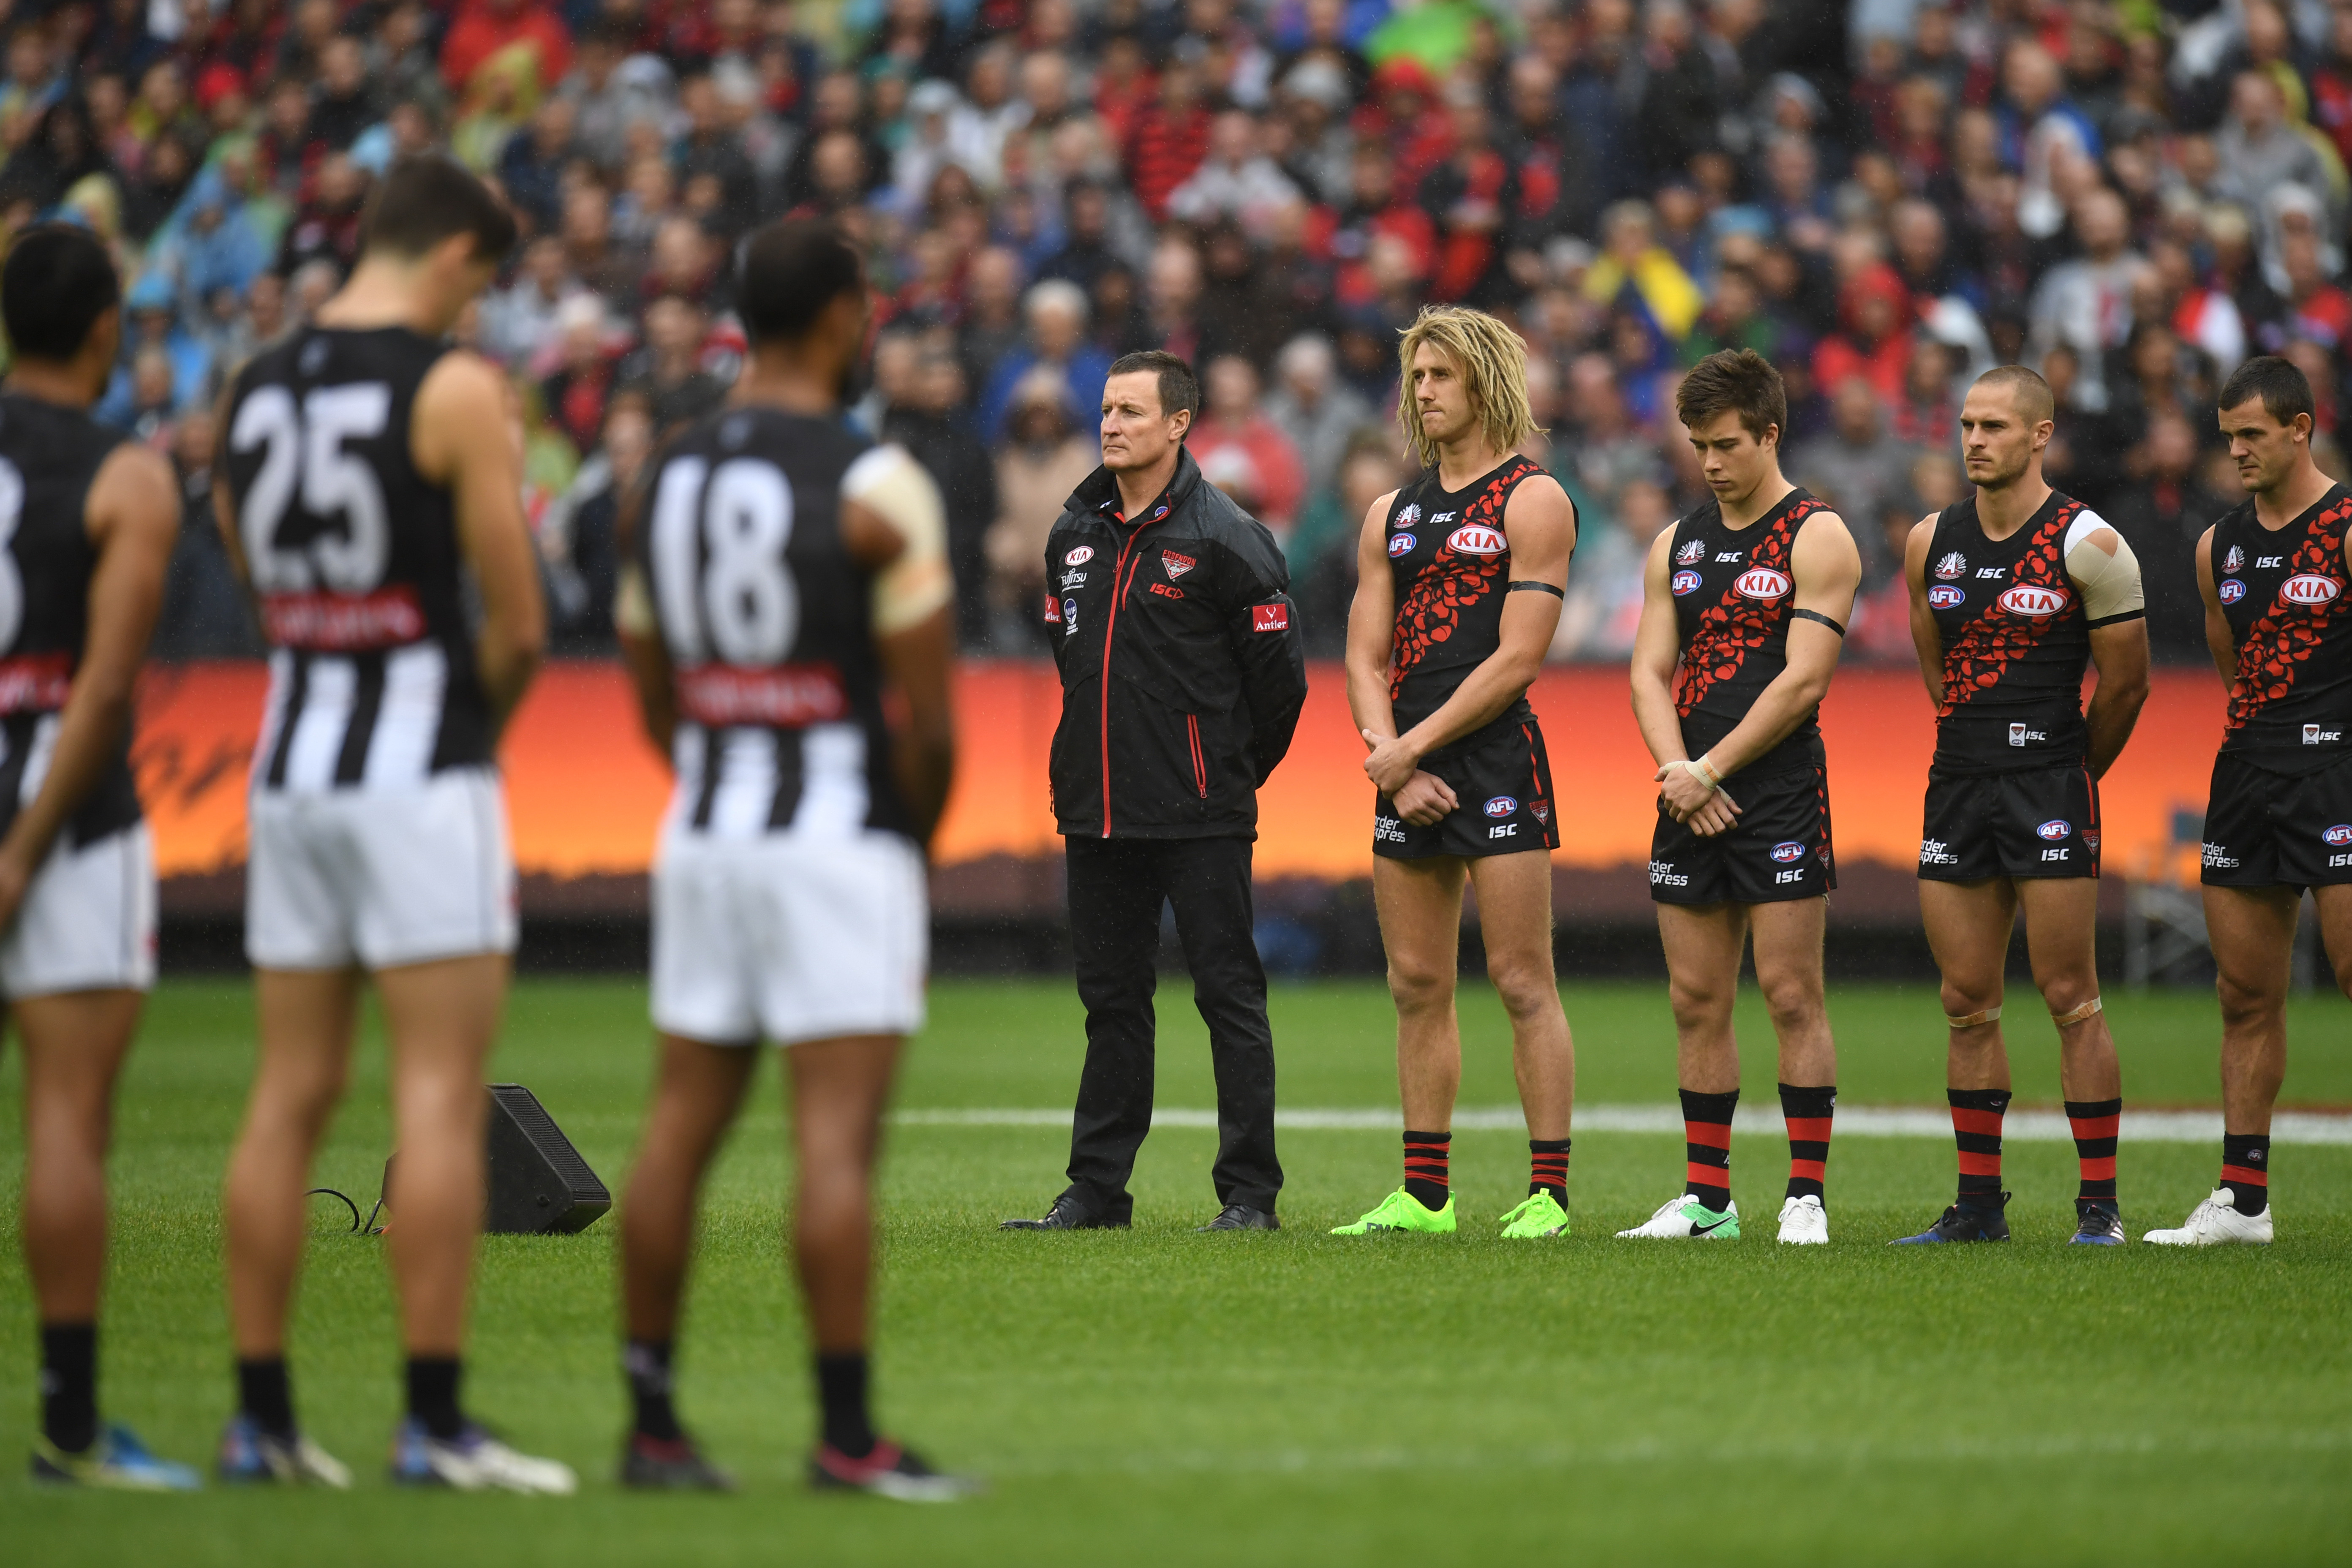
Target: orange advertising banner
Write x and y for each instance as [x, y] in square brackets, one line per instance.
[585, 790]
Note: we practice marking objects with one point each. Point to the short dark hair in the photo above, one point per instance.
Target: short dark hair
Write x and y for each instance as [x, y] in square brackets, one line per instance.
[429, 197]
[2284, 390]
[1735, 380]
[58, 282]
[790, 270]
[1178, 388]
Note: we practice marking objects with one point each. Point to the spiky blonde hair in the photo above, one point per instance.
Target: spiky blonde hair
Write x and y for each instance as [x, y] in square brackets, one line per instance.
[1492, 362]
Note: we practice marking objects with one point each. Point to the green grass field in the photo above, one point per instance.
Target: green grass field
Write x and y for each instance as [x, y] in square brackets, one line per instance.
[1162, 1396]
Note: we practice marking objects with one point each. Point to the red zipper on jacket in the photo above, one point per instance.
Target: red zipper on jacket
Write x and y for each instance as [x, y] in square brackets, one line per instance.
[1110, 624]
[1200, 770]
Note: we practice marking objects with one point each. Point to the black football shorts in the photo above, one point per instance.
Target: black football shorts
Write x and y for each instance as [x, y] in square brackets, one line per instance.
[1779, 850]
[2270, 830]
[2036, 822]
[1502, 780]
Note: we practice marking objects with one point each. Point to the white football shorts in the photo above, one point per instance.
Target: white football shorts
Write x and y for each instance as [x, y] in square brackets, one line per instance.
[380, 877]
[789, 937]
[87, 922]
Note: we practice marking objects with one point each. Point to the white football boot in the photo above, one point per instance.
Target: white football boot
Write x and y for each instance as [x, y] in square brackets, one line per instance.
[1804, 1223]
[2217, 1222]
[1683, 1218]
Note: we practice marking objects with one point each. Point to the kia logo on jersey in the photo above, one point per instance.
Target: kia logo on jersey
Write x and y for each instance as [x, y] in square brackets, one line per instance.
[1951, 565]
[2230, 591]
[1177, 565]
[1080, 556]
[1761, 582]
[1787, 851]
[1476, 539]
[1695, 550]
[2235, 561]
[1686, 583]
[2338, 836]
[2309, 588]
[1401, 545]
[2031, 599]
[1944, 597]
[2054, 829]
[1501, 806]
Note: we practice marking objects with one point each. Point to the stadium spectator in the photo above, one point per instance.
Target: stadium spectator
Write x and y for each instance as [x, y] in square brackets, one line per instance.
[1242, 452]
[1044, 456]
[1856, 468]
[1057, 312]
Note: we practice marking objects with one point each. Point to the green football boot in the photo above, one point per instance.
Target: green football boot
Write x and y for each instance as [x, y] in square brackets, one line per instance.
[1539, 1215]
[1402, 1210]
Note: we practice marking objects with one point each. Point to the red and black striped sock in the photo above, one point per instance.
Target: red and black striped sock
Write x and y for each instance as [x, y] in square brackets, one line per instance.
[1808, 1110]
[2094, 1122]
[1547, 1168]
[1425, 1157]
[1707, 1146]
[2246, 1170]
[1975, 1128]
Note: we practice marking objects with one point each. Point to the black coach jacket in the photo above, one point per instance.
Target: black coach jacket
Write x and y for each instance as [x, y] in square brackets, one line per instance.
[1182, 672]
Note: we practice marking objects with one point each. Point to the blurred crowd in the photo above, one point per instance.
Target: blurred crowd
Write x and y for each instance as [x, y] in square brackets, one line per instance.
[1886, 198]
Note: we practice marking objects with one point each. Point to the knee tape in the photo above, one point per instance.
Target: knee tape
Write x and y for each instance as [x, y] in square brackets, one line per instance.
[1972, 1020]
[2087, 1010]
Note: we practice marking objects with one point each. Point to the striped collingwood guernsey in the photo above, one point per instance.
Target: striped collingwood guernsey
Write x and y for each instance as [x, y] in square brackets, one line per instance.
[355, 562]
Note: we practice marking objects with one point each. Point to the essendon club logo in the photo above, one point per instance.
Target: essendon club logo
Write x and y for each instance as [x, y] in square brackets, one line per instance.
[787, 697]
[1761, 582]
[2035, 601]
[1476, 539]
[1270, 618]
[1177, 565]
[343, 622]
[2309, 589]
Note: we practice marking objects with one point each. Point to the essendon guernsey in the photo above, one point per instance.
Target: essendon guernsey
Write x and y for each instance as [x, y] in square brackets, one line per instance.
[2283, 595]
[1733, 592]
[1450, 565]
[2016, 640]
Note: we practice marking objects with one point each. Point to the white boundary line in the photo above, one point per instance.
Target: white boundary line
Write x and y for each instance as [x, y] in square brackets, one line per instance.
[1861, 1120]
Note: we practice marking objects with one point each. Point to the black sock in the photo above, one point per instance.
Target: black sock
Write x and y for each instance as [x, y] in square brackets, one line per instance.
[1707, 1146]
[433, 1395]
[1976, 1130]
[2093, 1122]
[1426, 1155]
[1808, 1110]
[646, 1364]
[69, 1385]
[1547, 1168]
[2246, 1170]
[265, 1393]
[841, 1390]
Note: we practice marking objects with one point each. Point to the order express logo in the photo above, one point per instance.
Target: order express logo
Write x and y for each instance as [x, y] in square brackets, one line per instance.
[2055, 828]
[2230, 591]
[1944, 597]
[1788, 852]
[1402, 544]
[1501, 806]
[1761, 582]
[1686, 583]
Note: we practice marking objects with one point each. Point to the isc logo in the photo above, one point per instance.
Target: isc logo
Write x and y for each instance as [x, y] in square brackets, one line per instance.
[2035, 601]
[1944, 597]
[1476, 539]
[2309, 588]
[2338, 836]
[1502, 805]
[1787, 851]
[1761, 582]
[2054, 829]
[1685, 582]
[1402, 544]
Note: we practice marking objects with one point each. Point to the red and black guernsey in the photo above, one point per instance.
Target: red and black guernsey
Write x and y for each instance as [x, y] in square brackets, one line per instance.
[1734, 590]
[1451, 563]
[2283, 595]
[48, 456]
[2016, 641]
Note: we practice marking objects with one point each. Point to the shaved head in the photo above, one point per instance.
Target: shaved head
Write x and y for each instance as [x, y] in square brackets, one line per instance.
[2034, 403]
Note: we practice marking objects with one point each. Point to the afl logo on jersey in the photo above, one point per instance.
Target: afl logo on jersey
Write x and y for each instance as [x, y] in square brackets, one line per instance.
[2035, 601]
[1501, 806]
[1401, 544]
[1761, 582]
[1476, 539]
[1951, 565]
[1080, 556]
[1788, 852]
[1694, 551]
[1944, 597]
[2235, 561]
[2309, 588]
[2054, 829]
[2230, 590]
[1686, 583]
[2338, 836]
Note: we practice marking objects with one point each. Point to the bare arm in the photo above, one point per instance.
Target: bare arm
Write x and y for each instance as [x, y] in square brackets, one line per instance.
[1657, 650]
[134, 518]
[2119, 653]
[461, 437]
[2219, 642]
[919, 663]
[1924, 638]
[1540, 521]
[1372, 624]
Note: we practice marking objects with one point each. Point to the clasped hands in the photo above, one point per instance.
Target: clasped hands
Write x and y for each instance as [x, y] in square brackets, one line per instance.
[1421, 798]
[1692, 794]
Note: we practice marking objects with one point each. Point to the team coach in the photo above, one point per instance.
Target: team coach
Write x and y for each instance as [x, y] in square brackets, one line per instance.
[1182, 681]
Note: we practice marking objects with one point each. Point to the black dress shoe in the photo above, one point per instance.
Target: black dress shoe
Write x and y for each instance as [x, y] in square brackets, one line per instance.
[1241, 1216]
[1067, 1213]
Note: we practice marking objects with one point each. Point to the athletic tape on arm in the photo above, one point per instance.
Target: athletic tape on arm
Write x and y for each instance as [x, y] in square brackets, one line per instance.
[894, 487]
[2108, 579]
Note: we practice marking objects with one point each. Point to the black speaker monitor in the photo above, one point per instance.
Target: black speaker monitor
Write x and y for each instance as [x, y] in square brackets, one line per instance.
[538, 1181]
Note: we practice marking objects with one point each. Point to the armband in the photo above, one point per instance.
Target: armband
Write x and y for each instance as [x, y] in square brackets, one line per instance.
[1974, 1020]
[2090, 1009]
[1529, 586]
[894, 487]
[1815, 616]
